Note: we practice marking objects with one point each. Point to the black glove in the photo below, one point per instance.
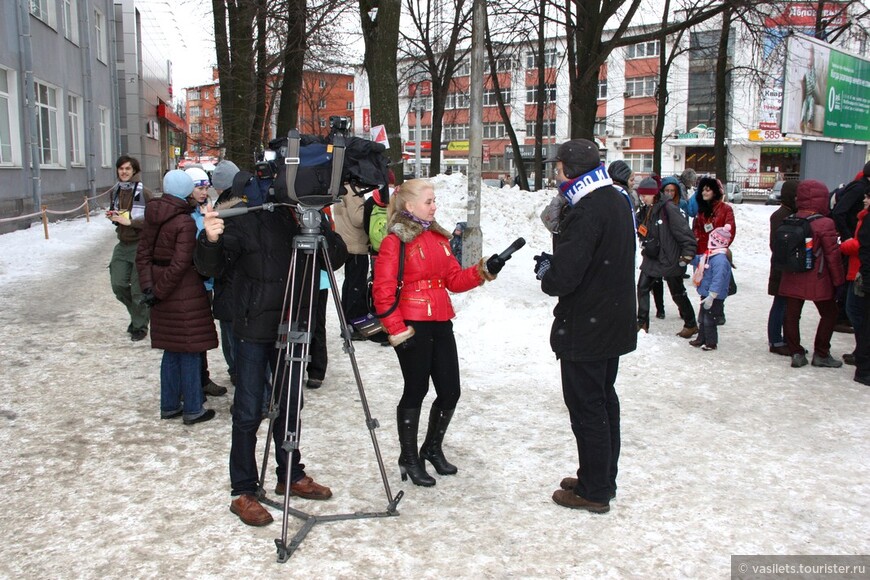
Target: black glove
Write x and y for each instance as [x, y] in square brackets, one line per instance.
[495, 264]
[542, 264]
[148, 298]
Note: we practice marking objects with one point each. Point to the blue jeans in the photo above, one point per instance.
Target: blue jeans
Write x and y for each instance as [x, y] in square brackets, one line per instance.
[254, 361]
[180, 379]
[854, 307]
[775, 320]
[228, 346]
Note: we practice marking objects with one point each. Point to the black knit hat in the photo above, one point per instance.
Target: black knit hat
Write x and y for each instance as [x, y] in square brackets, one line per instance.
[578, 156]
[620, 171]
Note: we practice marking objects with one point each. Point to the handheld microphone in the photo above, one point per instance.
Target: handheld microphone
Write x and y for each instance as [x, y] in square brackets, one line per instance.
[516, 245]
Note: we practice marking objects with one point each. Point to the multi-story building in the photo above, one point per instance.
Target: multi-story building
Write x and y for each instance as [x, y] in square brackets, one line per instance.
[80, 83]
[323, 95]
[758, 152]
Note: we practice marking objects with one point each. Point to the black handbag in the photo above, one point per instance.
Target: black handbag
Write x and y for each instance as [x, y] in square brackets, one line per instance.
[370, 323]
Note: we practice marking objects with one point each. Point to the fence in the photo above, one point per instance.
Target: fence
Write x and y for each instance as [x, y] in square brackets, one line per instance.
[45, 212]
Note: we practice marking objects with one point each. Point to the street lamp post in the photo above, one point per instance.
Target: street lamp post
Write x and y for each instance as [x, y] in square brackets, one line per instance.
[472, 238]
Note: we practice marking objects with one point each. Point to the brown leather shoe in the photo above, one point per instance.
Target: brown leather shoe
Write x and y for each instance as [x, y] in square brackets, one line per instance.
[250, 511]
[781, 350]
[688, 332]
[306, 488]
[570, 483]
[569, 499]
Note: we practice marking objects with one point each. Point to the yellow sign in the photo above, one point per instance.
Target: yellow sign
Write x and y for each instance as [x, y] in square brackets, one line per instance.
[458, 146]
[177, 151]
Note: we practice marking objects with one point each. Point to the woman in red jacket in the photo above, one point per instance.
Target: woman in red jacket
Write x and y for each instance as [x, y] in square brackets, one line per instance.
[713, 212]
[420, 326]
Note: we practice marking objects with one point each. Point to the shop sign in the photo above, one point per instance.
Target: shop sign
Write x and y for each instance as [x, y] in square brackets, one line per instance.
[458, 146]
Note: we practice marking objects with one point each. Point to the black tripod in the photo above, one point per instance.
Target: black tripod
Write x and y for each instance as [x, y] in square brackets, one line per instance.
[294, 341]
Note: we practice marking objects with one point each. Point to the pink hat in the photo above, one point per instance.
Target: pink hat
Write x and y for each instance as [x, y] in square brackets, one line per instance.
[720, 237]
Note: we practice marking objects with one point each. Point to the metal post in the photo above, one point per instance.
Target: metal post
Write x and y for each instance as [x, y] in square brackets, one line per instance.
[418, 142]
[472, 238]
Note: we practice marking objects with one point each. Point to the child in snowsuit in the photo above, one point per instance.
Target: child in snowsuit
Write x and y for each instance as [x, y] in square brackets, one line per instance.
[712, 277]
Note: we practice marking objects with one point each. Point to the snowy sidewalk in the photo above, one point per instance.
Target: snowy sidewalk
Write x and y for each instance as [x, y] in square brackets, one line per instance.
[730, 452]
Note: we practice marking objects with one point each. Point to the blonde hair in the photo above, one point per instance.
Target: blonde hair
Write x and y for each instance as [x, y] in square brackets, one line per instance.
[405, 193]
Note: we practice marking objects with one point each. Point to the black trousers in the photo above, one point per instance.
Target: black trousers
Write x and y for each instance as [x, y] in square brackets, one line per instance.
[353, 290]
[316, 368]
[432, 354]
[678, 295]
[589, 393]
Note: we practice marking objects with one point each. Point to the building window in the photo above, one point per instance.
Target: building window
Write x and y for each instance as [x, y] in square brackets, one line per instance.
[642, 49]
[456, 101]
[44, 10]
[321, 104]
[640, 162]
[105, 138]
[194, 112]
[350, 85]
[640, 87]
[207, 128]
[549, 94]
[463, 68]
[192, 94]
[550, 58]
[455, 133]
[75, 128]
[494, 130]
[217, 92]
[350, 105]
[71, 21]
[46, 124]
[322, 84]
[5, 126]
[602, 88]
[195, 128]
[600, 127]
[206, 113]
[322, 123]
[100, 35]
[489, 99]
[548, 129]
[504, 64]
[205, 95]
[639, 125]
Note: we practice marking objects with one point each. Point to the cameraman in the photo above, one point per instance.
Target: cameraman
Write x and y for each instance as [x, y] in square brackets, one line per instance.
[256, 249]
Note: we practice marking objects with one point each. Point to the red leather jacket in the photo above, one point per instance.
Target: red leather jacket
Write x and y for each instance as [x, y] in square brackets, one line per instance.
[430, 271]
[850, 248]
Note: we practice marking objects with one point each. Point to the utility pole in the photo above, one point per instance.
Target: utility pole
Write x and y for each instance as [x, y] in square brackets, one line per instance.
[472, 239]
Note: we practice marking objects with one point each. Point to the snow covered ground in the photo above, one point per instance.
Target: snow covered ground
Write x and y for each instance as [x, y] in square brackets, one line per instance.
[726, 452]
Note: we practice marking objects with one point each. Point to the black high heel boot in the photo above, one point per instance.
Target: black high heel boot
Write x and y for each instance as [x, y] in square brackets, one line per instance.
[409, 461]
[431, 451]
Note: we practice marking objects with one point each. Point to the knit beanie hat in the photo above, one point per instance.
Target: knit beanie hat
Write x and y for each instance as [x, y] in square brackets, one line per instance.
[619, 171]
[199, 176]
[578, 156]
[222, 176]
[719, 238]
[648, 186]
[178, 183]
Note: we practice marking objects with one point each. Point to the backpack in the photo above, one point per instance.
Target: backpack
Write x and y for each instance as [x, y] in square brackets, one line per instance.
[793, 244]
[377, 227]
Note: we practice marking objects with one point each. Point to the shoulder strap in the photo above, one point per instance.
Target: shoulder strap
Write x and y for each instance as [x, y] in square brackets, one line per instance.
[400, 282]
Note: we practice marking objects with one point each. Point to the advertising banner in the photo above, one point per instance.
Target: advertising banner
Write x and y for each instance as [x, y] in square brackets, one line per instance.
[826, 91]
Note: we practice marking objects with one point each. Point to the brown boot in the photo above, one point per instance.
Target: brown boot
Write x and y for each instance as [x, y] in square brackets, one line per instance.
[688, 332]
[569, 499]
[250, 511]
[307, 488]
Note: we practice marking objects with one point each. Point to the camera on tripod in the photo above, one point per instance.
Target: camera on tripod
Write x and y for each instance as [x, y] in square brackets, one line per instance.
[339, 124]
[267, 168]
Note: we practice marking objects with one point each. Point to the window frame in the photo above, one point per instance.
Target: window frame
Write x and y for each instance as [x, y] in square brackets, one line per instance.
[100, 35]
[105, 137]
[71, 21]
[549, 94]
[75, 126]
[646, 123]
[647, 84]
[8, 104]
[50, 113]
[639, 162]
[650, 49]
[46, 12]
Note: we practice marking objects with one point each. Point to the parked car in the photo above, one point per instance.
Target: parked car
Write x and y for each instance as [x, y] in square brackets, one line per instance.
[773, 198]
[496, 183]
[733, 193]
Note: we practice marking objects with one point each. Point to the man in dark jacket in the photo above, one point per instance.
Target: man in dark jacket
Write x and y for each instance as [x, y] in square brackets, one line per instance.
[788, 206]
[850, 202]
[256, 248]
[862, 337]
[127, 211]
[592, 273]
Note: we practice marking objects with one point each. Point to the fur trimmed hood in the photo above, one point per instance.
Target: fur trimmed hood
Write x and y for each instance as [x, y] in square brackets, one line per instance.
[407, 229]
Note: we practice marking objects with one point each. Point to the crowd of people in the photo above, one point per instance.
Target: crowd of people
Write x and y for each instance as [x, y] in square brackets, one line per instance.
[179, 266]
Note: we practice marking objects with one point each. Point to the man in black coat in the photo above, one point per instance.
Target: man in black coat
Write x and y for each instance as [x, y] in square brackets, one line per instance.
[592, 273]
[850, 202]
[256, 249]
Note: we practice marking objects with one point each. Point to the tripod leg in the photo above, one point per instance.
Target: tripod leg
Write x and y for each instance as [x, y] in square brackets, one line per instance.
[371, 423]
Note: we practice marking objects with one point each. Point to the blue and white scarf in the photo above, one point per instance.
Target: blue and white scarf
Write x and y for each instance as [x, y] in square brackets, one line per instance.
[575, 189]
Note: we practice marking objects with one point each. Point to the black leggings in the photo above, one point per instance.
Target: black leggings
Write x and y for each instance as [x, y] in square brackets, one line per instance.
[431, 354]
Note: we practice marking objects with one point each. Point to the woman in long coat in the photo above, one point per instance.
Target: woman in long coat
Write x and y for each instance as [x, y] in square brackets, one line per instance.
[181, 320]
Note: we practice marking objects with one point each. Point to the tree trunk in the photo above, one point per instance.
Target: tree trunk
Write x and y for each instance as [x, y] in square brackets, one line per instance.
[719, 149]
[523, 179]
[381, 36]
[291, 83]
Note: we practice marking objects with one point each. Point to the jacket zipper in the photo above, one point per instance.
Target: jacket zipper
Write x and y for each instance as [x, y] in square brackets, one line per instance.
[446, 249]
[428, 304]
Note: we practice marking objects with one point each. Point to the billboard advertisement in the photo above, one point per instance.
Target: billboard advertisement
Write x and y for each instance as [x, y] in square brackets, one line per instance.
[826, 91]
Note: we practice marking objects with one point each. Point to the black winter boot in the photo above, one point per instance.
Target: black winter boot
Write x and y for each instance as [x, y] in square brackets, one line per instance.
[431, 451]
[409, 461]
